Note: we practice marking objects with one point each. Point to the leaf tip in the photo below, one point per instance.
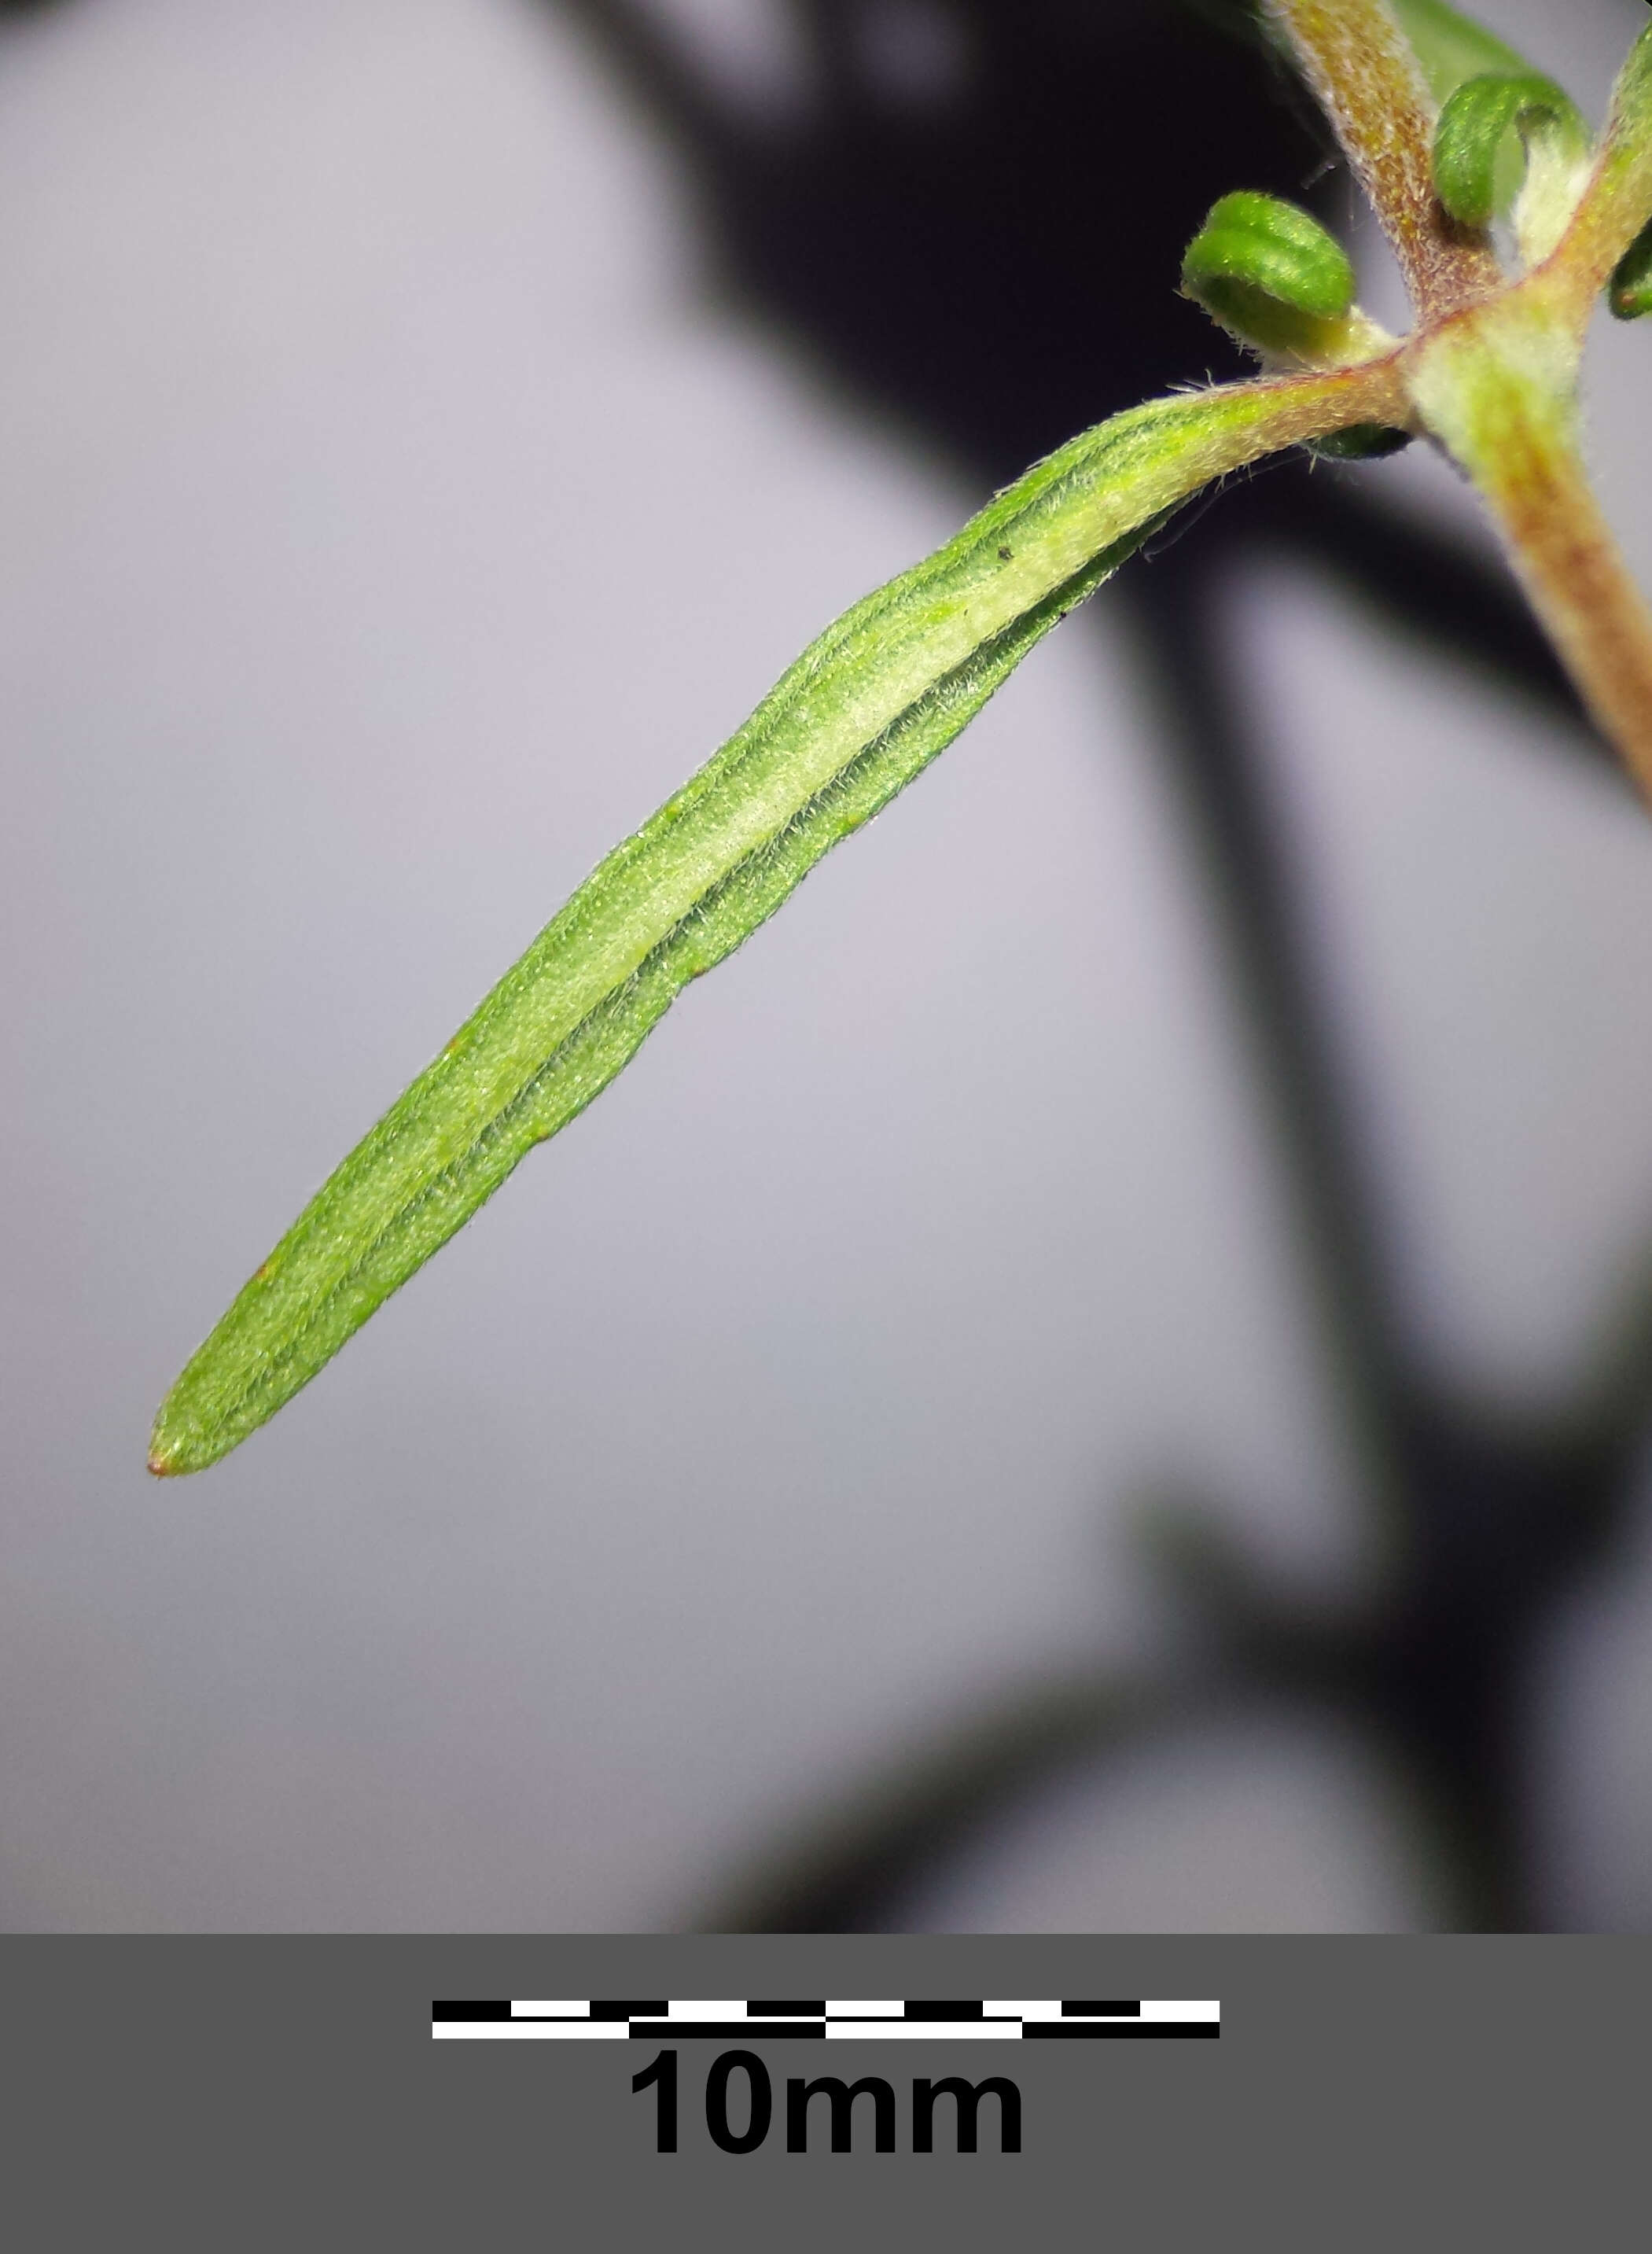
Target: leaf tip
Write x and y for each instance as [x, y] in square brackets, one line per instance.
[162, 1461]
[170, 1453]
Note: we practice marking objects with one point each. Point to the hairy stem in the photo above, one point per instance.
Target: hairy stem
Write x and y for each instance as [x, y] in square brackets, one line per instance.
[1494, 387]
[1579, 584]
[1367, 79]
[1618, 202]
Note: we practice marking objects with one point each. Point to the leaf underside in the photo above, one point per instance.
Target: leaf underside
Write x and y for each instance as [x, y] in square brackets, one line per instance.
[864, 710]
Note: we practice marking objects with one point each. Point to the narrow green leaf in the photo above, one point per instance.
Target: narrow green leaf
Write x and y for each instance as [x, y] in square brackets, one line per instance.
[860, 713]
[1452, 46]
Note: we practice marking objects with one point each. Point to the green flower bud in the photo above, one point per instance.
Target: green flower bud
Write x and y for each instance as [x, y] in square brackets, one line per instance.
[1272, 275]
[1361, 441]
[1469, 142]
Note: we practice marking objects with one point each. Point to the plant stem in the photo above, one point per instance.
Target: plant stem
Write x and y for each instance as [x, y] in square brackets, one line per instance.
[1617, 203]
[1579, 585]
[1494, 387]
[1366, 77]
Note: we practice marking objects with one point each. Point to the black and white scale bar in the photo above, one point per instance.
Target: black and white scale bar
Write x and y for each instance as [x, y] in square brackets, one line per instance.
[819, 2019]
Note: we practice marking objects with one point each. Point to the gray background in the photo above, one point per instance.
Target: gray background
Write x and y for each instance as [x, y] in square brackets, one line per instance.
[1364, 2090]
[391, 517]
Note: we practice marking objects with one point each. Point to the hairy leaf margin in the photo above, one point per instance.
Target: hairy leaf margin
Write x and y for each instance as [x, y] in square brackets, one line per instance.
[862, 712]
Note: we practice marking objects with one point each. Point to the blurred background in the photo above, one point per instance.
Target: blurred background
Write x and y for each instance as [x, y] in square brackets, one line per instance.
[1097, 1376]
